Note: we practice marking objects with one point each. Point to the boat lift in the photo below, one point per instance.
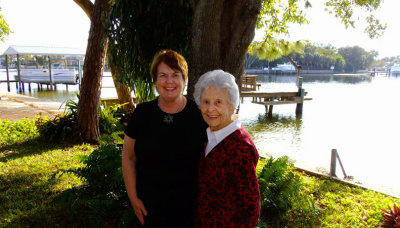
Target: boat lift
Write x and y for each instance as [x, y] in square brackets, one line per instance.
[36, 51]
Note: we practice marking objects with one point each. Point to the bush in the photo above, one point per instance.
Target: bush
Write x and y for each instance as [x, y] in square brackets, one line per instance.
[59, 129]
[17, 132]
[102, 199]
[109, 122]
[281, 195]
[391, 217]
[64, 127]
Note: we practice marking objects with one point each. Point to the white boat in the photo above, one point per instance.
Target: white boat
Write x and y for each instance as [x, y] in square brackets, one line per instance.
[59, 76]
[284, 67]
[395, 69]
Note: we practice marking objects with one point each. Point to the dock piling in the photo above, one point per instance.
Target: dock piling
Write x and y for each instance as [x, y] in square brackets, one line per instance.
[299, 106]
[334, 156]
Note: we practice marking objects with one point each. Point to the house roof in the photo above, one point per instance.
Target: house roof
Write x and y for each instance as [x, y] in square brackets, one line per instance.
[36, 50]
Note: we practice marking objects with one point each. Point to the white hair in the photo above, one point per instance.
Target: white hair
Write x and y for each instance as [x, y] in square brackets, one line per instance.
[220, 80]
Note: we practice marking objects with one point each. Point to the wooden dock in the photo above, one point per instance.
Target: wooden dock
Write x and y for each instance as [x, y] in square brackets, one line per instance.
[249, 88]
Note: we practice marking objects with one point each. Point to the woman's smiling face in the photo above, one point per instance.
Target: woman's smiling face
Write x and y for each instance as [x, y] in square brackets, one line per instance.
[169, 83]
[215, 108]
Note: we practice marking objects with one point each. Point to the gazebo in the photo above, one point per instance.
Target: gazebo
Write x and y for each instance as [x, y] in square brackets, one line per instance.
[18, 51]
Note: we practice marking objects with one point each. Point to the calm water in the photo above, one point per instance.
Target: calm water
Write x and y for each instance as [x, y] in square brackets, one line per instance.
[357, 115]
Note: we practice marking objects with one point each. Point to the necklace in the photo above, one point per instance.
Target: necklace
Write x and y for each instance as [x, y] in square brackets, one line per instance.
[168, 117]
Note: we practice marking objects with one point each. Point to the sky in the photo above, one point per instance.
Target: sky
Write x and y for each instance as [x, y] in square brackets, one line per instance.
[62, 23]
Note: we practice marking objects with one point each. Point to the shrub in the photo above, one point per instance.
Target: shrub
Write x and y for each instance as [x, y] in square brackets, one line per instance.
[58, 129]
[102, 199]
[391, 217]
[64, 127]
[17, 132]
[281, 193]
[109, 122]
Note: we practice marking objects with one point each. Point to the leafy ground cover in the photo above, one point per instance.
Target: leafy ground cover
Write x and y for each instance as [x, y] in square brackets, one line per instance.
[26, 189]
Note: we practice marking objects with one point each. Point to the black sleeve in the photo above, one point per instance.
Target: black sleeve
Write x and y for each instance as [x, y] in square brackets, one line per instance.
[131, 129]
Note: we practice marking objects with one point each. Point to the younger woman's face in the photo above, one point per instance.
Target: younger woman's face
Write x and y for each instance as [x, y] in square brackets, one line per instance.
[169, 82]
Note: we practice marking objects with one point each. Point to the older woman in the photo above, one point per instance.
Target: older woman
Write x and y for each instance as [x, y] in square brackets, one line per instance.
[163, 144]
[228, 189]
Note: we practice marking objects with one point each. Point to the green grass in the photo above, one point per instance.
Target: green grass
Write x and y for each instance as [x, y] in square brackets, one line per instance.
[26, 164]
[342, 205]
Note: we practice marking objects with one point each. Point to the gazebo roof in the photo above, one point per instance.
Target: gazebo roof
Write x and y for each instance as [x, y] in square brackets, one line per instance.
[36, 50]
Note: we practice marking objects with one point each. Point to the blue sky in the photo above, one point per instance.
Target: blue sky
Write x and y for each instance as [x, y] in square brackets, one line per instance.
[63, 23]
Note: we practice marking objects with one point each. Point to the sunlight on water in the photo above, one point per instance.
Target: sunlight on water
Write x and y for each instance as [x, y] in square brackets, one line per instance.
[63, 93]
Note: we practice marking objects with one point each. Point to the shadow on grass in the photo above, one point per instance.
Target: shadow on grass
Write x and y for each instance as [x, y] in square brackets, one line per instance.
[25, 200]
[35, 146]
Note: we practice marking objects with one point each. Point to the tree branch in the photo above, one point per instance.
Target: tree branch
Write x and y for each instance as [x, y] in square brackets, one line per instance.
[86, 5]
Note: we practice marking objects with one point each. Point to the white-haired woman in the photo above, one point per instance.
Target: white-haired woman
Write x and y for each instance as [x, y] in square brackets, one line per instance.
[228, 193]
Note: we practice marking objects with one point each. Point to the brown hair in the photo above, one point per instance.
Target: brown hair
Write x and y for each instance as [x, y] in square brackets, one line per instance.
[172, 59]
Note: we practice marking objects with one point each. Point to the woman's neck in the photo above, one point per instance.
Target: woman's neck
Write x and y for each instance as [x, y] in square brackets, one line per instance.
[172, 106]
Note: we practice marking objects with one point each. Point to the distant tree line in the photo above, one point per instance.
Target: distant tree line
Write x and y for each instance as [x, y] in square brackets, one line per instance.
[322, 57]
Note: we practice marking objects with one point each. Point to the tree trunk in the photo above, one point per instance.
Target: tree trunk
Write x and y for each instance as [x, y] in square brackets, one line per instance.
[221, 33]
[296, 67]
[88, 119]
[123, 92]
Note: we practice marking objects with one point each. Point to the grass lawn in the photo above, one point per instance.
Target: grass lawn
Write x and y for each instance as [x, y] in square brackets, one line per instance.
[27, 163]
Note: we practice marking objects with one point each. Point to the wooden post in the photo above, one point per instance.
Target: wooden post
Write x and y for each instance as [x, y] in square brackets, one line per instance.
[299, 106]
[271, 107]
[19, 74]
[8, 75]
[332, 172]
[50, 74]
[37, 63]
[79, 74]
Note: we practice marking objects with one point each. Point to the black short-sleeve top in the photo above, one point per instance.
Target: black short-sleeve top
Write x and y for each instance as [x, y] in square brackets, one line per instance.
[168, 148]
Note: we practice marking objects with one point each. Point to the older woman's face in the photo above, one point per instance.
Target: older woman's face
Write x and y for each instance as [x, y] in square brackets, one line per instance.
[169, 82]
[215, 108]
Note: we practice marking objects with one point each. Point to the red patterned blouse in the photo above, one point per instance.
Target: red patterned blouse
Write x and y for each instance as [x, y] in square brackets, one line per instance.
[229, 195]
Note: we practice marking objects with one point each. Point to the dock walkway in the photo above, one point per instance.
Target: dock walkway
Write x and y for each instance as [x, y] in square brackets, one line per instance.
[250, 88]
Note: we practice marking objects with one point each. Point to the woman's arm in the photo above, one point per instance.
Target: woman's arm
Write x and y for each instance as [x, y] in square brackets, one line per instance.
[129, 173]
[242, 187]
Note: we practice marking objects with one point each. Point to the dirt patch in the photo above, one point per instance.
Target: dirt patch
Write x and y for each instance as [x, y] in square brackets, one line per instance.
[16, 109]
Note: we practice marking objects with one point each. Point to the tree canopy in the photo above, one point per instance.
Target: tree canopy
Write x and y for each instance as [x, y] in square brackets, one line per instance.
[4, 28]
[137, 30]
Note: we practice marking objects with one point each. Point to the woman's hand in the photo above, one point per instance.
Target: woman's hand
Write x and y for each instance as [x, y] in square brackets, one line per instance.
[140, 209]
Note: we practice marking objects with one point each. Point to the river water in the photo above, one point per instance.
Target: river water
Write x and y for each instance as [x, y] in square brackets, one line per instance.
[358, 115]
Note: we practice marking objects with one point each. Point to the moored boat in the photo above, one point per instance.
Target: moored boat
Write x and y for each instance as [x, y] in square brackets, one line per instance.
[59, 76]
[286, 67]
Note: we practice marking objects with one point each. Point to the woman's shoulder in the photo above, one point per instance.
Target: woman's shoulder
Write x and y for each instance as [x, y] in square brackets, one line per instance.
[242, 140]
[146, 105]
[191, 102]
[192, 106]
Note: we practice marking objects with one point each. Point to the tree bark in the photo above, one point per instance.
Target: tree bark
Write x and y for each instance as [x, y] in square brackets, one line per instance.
[221, 33]
[88, 119]
[123, 92]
